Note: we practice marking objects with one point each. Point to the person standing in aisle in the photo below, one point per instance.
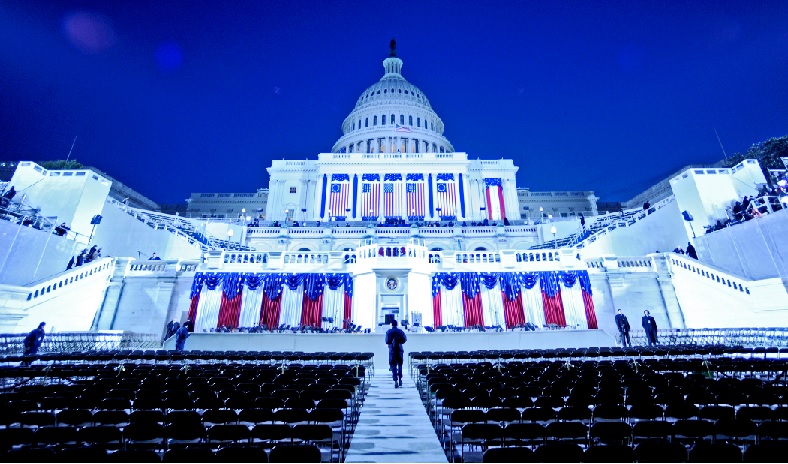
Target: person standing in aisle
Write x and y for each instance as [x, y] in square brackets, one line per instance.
[395, 338]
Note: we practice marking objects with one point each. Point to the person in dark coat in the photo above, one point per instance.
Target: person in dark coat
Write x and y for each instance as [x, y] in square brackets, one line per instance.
[691, 251]
[395, 338]
[623, 328]
[70, 264]
[172, 327]
[650, 326]
[180, 337]
[33, 342]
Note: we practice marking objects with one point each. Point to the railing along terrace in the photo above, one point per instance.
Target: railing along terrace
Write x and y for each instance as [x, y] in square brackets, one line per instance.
[391, 251]
[64, 342]
[684, 264]
[248, 257]
[534, 256]
[45, 287]
[478, 257]
[744, 336]
[305, 258]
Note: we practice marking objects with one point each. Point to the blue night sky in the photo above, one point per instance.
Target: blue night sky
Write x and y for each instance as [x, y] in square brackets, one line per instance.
[172, 97]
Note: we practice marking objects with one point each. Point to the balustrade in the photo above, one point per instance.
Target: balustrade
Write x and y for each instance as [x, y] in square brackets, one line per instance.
[538, 256]
[244, 258]
[474, 258]
[305, 258]
[68, 278]
[712, 275]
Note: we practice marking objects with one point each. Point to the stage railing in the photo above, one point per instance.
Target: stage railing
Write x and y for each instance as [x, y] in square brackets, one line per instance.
[745, 336]
[65, 342]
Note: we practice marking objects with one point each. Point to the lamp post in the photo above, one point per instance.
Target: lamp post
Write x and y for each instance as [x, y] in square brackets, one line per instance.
[303, 210]
[439, 213]
[347, 214]
[287, 213]
[230, 234]
[553, 231]
[369, 218]
[481, 212]
[541, 214]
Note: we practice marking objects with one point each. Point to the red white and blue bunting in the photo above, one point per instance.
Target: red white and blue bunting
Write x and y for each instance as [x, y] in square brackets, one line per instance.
[468, 299]
[237, 299]
[494, 196]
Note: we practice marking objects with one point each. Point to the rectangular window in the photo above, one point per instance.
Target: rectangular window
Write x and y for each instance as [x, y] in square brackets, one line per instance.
[383, 119]
[418, 122]
[402, 119]
[410, 120]
[375, 121]
[292, 190]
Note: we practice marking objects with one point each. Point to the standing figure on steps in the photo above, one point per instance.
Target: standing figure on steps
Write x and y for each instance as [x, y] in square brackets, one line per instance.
[623, 328]
[650, 326]
[395, 338]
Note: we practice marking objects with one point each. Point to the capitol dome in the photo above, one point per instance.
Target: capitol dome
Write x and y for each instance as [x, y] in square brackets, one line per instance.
[392, 115]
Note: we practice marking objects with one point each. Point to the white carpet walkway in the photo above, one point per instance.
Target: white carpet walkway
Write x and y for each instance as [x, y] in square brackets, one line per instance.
[393, 426]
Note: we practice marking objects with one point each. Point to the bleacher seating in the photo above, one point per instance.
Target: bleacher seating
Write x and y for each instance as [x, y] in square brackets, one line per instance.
[181, 407]
[696, 403]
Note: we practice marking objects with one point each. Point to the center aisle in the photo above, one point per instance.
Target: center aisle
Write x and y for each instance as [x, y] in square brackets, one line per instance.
[393, 426]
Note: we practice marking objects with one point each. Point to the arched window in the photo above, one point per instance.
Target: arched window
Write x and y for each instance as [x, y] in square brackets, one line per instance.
[304, 249]
[366, 122]
[402, 119]
[393, 120]
[436, 249]
[383, 119]
[375, 120]
[410, 120]
[418, 122]
[354, 125]
[480, 249]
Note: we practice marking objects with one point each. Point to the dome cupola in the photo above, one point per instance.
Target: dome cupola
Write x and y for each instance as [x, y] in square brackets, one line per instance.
[392, 115]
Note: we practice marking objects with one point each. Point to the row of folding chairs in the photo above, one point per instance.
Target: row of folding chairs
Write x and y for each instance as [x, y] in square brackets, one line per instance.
[153, 436]
[643, 452]
[165, 356]
[198, 454]
[590, 394]
[677, 351]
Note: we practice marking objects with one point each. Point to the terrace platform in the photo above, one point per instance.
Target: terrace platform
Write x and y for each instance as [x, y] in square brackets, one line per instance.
[374, 342]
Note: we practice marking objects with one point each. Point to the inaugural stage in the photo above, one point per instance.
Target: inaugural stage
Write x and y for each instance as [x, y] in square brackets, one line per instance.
[374, 342]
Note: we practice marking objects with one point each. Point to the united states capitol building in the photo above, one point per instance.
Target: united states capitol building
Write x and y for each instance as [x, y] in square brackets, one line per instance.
[392, 222]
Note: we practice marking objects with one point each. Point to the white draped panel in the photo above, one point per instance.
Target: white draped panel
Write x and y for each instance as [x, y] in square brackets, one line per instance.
[533, 306]
[492, 305]
[364, 301]
[333, 306]
[291, 306]
[208, 309]
[574, 309]
[451, 306]
[420, 298]
[250, 307]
